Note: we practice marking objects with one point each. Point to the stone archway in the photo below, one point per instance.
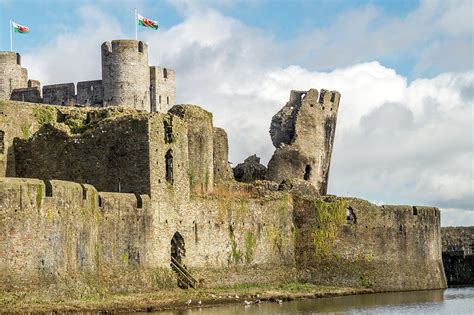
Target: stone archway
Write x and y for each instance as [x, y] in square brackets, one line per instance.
[178, 251]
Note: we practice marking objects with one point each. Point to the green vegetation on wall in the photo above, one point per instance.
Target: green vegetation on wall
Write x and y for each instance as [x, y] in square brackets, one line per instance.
[329, 218]
[250, 243]
[43, 114]
[236, 254]
[25, 130]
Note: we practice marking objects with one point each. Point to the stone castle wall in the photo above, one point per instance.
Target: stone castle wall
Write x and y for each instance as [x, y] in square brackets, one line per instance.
[458, 254]
[56, 231]
[355, 243]
[233, 233]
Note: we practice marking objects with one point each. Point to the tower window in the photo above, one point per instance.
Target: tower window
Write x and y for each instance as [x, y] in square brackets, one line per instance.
[167, 100]
[169, 166]
[2, 142]
[168, 131]
[165, 73]
[307, 172]
[140, 47]
[321, 97]
[159, 99]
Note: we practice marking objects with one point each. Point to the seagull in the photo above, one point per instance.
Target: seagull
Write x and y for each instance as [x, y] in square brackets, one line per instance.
[279, 301]
[199, 303]
[188, 302]
[248, 302]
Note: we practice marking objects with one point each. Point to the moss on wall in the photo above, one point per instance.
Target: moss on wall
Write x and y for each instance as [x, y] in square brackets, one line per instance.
[44, 114]
[329, 216]
[250, 243]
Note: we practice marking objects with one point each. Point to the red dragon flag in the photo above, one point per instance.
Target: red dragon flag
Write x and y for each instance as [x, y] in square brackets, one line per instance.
[143, 21]
[20, 28]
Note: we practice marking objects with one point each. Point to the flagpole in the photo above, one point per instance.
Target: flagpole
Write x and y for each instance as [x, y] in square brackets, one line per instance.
[136, 24]
[11, 36]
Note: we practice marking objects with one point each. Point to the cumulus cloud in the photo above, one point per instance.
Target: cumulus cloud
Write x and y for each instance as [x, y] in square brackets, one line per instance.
[397, 140]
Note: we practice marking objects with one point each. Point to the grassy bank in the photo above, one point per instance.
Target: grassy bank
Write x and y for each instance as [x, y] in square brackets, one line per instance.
[169, 299]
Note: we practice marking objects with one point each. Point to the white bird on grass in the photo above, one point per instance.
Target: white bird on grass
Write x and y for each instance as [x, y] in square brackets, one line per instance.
[199, 303]
[188, 302]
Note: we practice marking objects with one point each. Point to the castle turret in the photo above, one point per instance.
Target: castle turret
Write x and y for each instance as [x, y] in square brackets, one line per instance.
[125, 74]
[162, 89]
[12, 75]
[303, 133]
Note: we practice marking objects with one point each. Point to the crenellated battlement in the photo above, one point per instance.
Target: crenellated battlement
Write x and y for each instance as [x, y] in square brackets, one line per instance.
[10, 57]
[127, 46]
[127, 80]
[29, 193]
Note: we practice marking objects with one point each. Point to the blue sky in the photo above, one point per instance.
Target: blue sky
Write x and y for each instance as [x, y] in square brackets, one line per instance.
[404, 69]
[283, 20]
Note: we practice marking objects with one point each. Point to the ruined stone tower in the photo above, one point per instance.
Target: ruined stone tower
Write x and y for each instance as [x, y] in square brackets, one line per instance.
[126, 74]
[303, 134]
[12, 75]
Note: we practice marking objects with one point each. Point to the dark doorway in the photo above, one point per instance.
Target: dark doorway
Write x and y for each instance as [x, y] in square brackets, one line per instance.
[178, 252]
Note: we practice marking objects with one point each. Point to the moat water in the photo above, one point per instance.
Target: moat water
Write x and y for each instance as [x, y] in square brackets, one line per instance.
[450, 301]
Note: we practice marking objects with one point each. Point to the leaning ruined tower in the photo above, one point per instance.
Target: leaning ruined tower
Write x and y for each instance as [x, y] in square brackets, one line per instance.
[12, 75]
[303, 134]
[126, 74]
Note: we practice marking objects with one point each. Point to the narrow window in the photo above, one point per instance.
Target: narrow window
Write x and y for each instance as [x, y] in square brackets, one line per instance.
[169, 166]
[415, 210]
[140, 47]
[307, 172]
[333, 96]
[2, 143]
[168, 131]
[165, 73]
[350, 216]
[139, 201]
[159, 99]
[167, 100]
[321, 96]
[48, 188]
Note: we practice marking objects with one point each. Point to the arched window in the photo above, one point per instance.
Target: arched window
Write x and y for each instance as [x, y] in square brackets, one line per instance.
[169, 166]
[140, 47]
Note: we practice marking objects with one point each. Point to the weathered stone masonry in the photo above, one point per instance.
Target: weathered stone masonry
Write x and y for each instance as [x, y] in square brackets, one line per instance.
[104, 190]
[233, 233]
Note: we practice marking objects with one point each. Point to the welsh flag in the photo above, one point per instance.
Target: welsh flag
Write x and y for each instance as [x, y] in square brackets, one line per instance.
[143, 21]
[20, 28]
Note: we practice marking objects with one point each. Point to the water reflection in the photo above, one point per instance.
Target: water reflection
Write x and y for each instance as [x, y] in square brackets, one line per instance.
[451, 301]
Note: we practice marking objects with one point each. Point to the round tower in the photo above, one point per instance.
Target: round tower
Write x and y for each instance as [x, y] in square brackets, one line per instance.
[125, 74]
[12, 75]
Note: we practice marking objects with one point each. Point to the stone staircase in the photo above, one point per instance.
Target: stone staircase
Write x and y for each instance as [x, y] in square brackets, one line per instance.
[185, 280]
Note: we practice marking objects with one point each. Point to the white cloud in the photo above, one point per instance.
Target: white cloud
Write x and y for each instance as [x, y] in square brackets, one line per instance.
[75, 54]
[457, 217]
[396, 141]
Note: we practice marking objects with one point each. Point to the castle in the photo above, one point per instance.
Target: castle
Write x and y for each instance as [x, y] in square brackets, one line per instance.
[132, 194]
[127, 80]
